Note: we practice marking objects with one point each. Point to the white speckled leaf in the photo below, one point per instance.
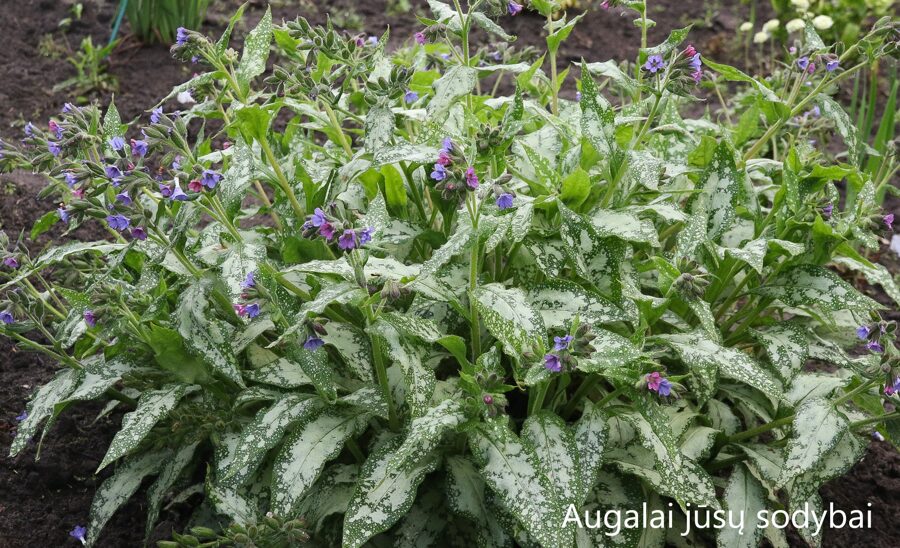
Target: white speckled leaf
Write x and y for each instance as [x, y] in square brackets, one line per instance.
[117, 489]
[697, 441]
[152, 406]
[817, 428]
[205, 335]
[256, 50]
[459, 241]
[316, 440]
[596, 259]
[833, 111]
[277, 372]
[242, 340]
[422, 328]
[744, 493]
[702, 310]
[559, 301]
[263, 433]
[330, 495]
[242, 259]
[353, 345]
[455, 84]
[546, 435]
[624, 225]
[239, 175]
[379, 128]
[168, 474]
[317, 366]
[383, 494]
[426, 432]
[510, 318]
[406, 152]
[875, 274]
[613, 350]
[410, 357]
[590, 442]
[514, 474]
[698, 351]
[721, 181]
[694, 234]
[811, 285]
[787, 346]
[814, 385]
[466, 497]
[41, 406]
[550, 255]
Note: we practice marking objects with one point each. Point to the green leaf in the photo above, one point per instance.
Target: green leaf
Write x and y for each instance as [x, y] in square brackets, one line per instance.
[745, 494]
[815, 286]
[510, 318]
[874, 273]
[575, 188]
[696, 351]
[490, 26]
[455, 84]
[410, 357]
[256, 50]
[315, 440]
[117, 489]
[514, 474]
[560, 301]
[41, 406]
[44, 224]
[263, 433]
[394, 190]
[383, 494]
[831, 110]
[817, 428]
[153, 405]
[316, 365]
[734, 75]
[675, 38]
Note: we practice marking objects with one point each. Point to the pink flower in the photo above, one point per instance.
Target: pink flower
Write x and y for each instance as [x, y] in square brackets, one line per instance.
[653, 381]
[420, 38]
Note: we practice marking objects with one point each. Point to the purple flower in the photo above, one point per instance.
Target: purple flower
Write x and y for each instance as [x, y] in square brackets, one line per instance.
[447, 145]
[803, 63]
[22, 416]
[79, 533]
[828, 210]
[505, 200]
[863, 332]
[326, 231]
[165, 190]
[89, 318]
[118, 222]
[68, 108]
[471, 178]
[124, 198]
[54, 148]
[11, 262]
[561, 343]
[665, 387]
[444, 158]
[138, 233]
[195, 186]
[63, 214]
[6, 317]
[832, 65]
[155, 115]
[71, 179]
[654, 63]
[313, 342]
[814, 112]
[420, 38]
[178, 194]
[439, 173]
[347, 240]
[874, 346]
[318, 217]
[653, 381]
[113, 174]
[116, 143]
[210, 178]
[249, 281]
[410, 96]
[514, 8]
[360, 41]
[252, 310]
[876, 435]
[811, 69]
[552, 363]
[696, 63]
[578, 96]
[139, 148]
[55, 128]
[888, 221]
[488, 399]
[29, 129]
[365, 235]
[240, 309]
[181, 36]
[176, 163]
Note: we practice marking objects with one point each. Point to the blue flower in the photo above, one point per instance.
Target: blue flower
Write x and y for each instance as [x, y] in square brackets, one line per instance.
[210, 178]
[124, 198]
[447, 145]
[863, 332]
[11, 262]
[89, 318]
[832, 65]
[803, 63]
[439, 173]
[6, 317]
[181, 36]
[71, 179]
[561, 343]
[313, 342]
[113, 174]
[347, 240]
[178, 194]
[155, 115]
[29, 129]
[365, 235]
[249, 281]
[79, 533]
[665, 387]
[22, 416]
[410, 96]
[514, 8]
[505, 200]
[138, 233]
[116, 143]
[252, 310]
[54, 148]
[654, 63]
[318, 218]
[552, 363]
[139, 148]
[63, 214]
[118, 221]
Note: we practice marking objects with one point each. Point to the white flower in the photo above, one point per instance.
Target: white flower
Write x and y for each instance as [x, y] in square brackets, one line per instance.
[760, 37]
[746, 27]
[822, 22]
[895, 243]
[794, 25]
[801, 5]
[770, 25]
[185, 98]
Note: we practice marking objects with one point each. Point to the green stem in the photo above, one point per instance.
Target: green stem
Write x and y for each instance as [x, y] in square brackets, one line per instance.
[338, 128]
[753, 432]
[586, 386]
[282, 180]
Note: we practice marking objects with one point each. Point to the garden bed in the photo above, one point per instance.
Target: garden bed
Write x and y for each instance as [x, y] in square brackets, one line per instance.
[40, 501]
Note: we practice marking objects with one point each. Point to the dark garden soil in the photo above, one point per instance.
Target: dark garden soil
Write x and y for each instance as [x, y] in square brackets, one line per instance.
[41, 500]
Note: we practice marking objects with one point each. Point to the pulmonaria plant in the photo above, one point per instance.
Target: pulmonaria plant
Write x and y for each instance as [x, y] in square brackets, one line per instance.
[460, 318]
